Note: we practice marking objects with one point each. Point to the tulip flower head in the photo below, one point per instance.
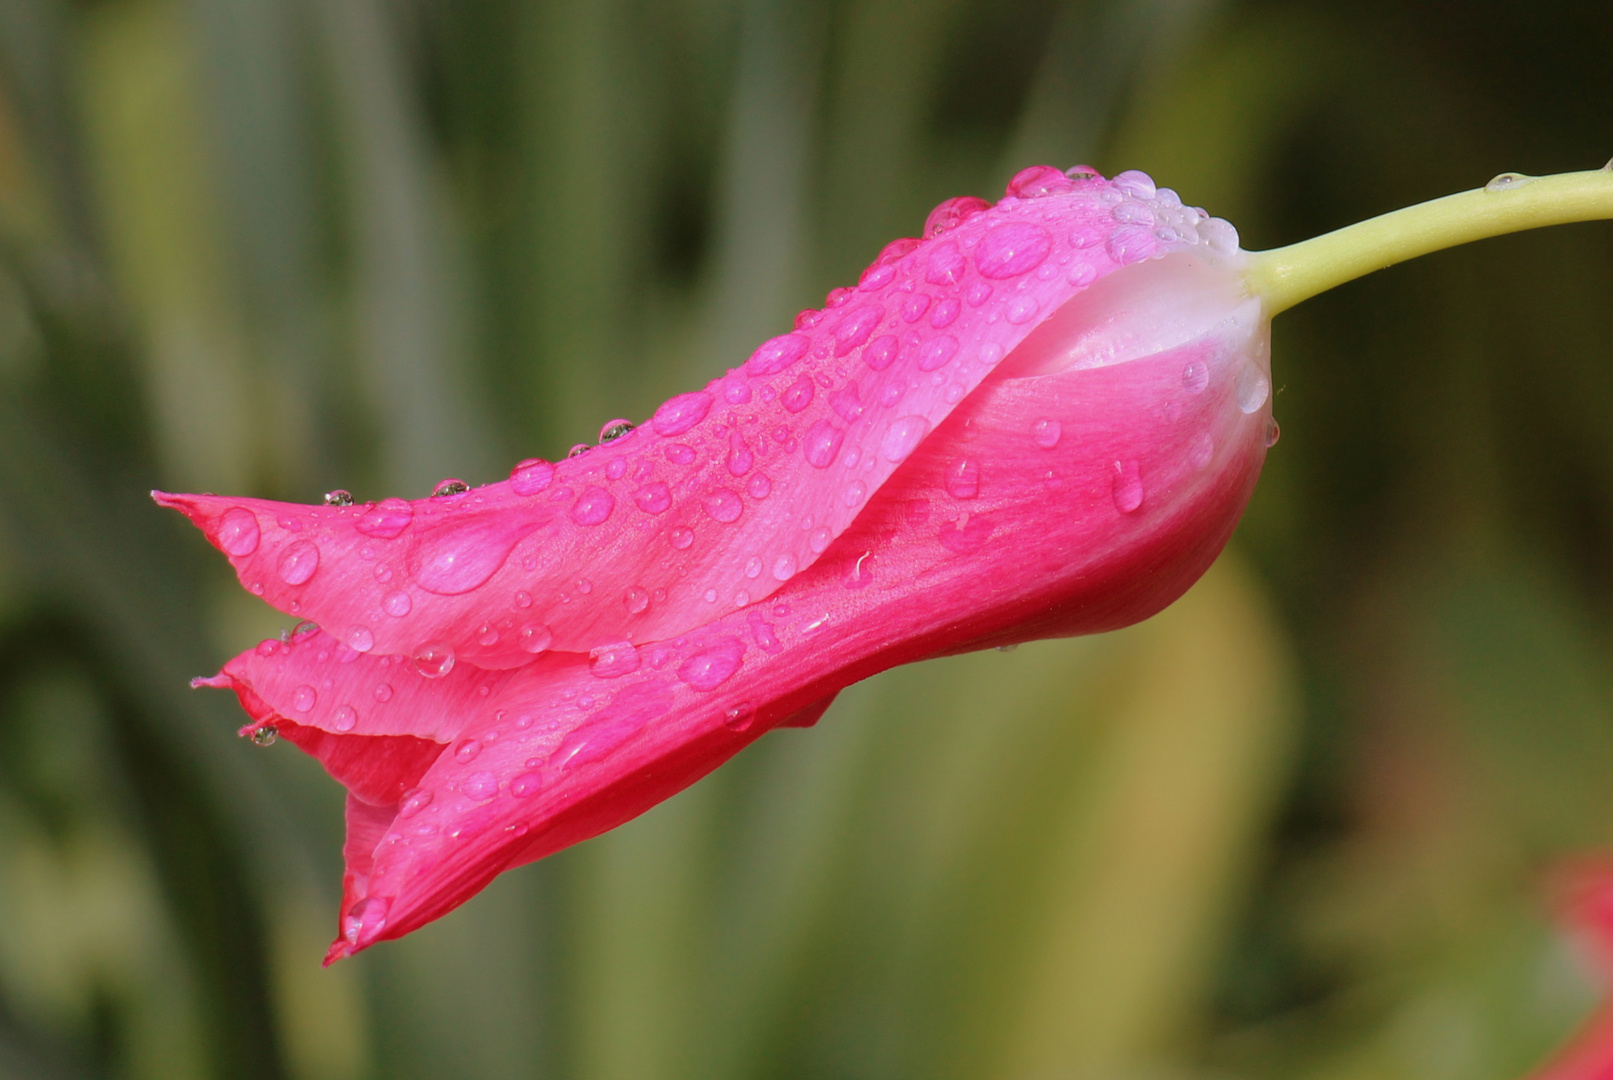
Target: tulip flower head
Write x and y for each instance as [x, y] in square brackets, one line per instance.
[1043, 417]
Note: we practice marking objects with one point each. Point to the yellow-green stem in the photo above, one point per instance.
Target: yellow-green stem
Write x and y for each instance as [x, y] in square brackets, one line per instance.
[1510, 203]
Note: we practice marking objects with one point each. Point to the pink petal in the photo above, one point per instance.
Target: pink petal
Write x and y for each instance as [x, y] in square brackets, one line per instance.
[498, 573]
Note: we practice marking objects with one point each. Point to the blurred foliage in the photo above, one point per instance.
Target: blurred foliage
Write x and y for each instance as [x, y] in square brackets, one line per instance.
[1297, 826]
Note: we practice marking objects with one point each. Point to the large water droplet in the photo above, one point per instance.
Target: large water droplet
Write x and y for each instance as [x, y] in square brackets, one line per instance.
[937, 352]
[856, 327]
[613, 661]
[1127, 487]
[535, 638]
[264, 735]
[360, 639]
[526, 785]
[759, 486]
[822, 444]
[724, 505]
[434, 661]
[740, 459]
[531, 476]
[238, 532]
[1037, 182]
[1012, 249]
[615, 430]
[466, 752]
[713, 664]
[448, 488]
[1253, 388]
[1047, 432]
[776, 354]
[383, 692]
[798, 395]
[952, 213]
[876, 277]
[635, 600]
[1023, 310]
[903, 437]
[397, 604]
[681, 538]
[653, 498]
[479, 786]
[739, 717]
[461, 555]
[339, 497]
[299, 562]
[1135, 183]
[593, 506]
[679, 414]
[386, 519]
[414, 802]
[784, 567]
[345, 718]
[963, 479]
[945, 313]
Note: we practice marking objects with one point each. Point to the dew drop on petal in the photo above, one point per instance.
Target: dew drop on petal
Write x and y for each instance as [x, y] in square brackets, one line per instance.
[739, 717]
[1012, 249]
[613, 661]
[345, 719]
[937, 352]
[383, 692]
[434, 661]
[531, 476]
[264, 735]
[1253, 388]
[1047, 433]
[903, 437]
[913, 309]
[386, 519]
[238, 532]
[855, 493]
[784, 567]
[882, 350]
[1023, 310]
[1127, 487]
[681, 538]
[593, 506]
[303, 698]
[535, 638]
[945, 313]
[449, 488]
[360, 639]
[1196, 376]
[1274, 432]
[759, 486]
[397, 604]
[821, 444]
[963, 479]
[299, 562]
[653, 498]
[479, 786]
[713, 664]
[466, 752]
[526, 785]
[635, 600]
[724, 506]
[414, 802]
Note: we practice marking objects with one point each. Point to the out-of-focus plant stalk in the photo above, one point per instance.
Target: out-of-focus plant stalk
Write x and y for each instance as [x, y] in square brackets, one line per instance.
[1509, 203]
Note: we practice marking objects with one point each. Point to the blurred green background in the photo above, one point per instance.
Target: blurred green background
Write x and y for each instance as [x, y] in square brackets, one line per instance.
[1297, 826]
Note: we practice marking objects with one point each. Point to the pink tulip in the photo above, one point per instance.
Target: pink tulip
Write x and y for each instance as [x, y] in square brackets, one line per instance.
[1044, 418]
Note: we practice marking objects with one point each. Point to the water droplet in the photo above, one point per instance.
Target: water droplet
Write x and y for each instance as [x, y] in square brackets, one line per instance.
[386, 519]
[1131, 243]
[740, 459]
[946, 265]
[1023, 310]
[635, 600]
[963, 479]
[448, 488]
[945, 313]
[855, 328]
[1273, 432]
[822, 444]
[1138, 184]
[479, 786]
[1507, 181]
[238, 532]
[613, 661]
[531, 476]
[526, 785]
[679, 414]
[1219, 234]
[952, 213]
[593, 506]
[710, 596]
[724, 505]
[414, 802]
[679, 454]
[615, 430]
[913, 309]
[397, 604]
[1196, 376]
[776, 354]
[466, 752]
[681, 538]
[346, 718]
[264, 735]
[855, 493]
[289, 523]
[487, 636]
[784, 567]
[383, 692]
[739, 717]
[523, 599]
[1127, 487]
[735, 391]
[578, 450]
[653, 498]
[383, 574]
[1134, 213]
[299, 562]
[360, 639]
[535, 638]
[1253, 388]
[339, 497]
[937, 352]
[759, 486]
[1012, 249]
[903, 437]
[1047, 433]
[434, 661]
[713, 664]
[1037, 182]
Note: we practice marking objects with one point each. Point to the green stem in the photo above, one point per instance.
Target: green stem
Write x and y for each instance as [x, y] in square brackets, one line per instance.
[1509, 203]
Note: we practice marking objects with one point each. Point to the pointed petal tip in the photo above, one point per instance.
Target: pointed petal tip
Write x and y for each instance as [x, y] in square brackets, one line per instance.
[220, 681]
[339, 950]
